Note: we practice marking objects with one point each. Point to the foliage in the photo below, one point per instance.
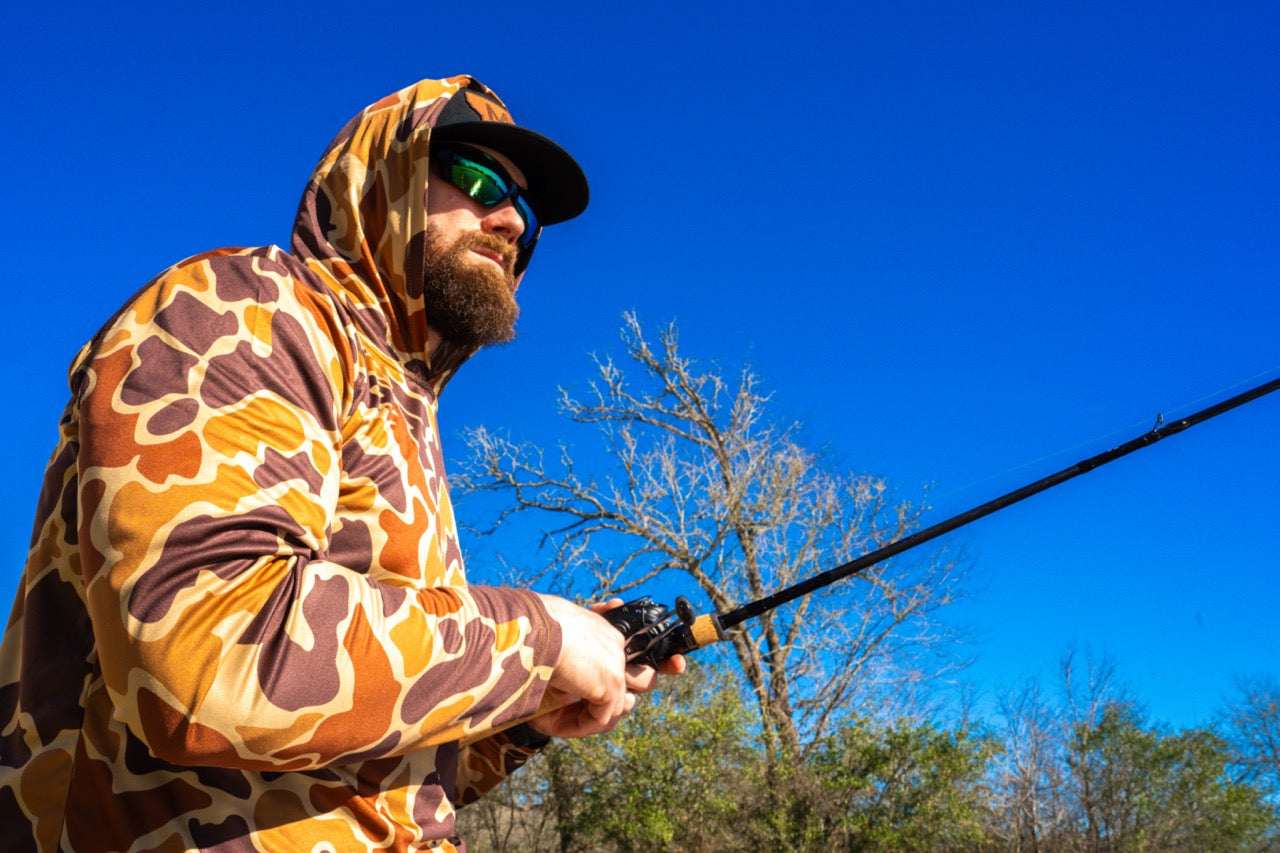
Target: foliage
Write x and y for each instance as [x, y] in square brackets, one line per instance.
[905, 787]
[683, 772]
[1093, 774]
[1155, 790]
[670, 777]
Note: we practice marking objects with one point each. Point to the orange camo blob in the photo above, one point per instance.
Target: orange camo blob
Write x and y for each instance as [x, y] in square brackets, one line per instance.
[115, 655]
[442, 601]
[229, 605]
[508, 636]
[262, 422]
[45, 800]
[413, 641]
[372, 697]
[178, 458]
[114, 447]
[276, 739]
[360, 830]
[442, 724]
[308, 512]
[116, 338]
[400, 553]
[359, 497]
[320, 456]
[257, 322]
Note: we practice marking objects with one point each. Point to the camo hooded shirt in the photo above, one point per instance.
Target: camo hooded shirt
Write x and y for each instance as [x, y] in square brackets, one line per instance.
[243, 623]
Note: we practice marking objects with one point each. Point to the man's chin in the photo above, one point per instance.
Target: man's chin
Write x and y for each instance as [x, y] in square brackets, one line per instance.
[468, 296]
[484, 315]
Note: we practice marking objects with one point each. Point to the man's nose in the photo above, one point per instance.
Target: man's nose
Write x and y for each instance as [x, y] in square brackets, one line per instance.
[504, 221]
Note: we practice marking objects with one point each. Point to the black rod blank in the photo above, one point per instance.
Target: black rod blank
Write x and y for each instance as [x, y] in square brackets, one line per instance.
[782, 596]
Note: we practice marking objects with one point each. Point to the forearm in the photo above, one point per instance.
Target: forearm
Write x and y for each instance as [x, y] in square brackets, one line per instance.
[302, 664]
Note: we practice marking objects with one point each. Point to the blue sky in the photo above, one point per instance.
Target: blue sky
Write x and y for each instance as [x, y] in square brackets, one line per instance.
[966, 244]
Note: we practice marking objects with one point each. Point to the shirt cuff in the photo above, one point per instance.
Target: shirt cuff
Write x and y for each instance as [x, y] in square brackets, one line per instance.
[525, 736]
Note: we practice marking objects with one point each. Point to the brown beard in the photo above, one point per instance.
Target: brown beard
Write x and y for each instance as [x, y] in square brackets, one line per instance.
[468, 301]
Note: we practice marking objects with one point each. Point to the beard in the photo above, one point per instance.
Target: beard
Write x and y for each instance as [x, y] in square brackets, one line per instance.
[468, 300]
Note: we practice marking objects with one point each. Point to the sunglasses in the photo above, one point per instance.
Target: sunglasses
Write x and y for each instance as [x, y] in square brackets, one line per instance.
[483, 180]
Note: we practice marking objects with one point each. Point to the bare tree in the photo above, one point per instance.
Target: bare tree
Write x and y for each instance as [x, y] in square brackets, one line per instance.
[1091, 773]
[1028, 808]
[1251, 723]
[1088, 695]
[698, 483]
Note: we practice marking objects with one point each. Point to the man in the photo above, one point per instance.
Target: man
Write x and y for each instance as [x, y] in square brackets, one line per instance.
[243, 623]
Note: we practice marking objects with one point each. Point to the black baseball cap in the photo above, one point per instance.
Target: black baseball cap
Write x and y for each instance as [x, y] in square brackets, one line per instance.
[557, 184]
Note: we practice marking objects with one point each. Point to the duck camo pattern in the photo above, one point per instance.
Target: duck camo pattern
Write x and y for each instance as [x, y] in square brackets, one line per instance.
[243, 623]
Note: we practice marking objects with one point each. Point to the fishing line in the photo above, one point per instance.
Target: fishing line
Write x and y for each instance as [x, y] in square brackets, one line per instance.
[1156, 421]
[655, 633]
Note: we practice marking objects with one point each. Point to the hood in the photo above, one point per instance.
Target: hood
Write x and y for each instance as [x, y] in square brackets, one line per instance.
[361, 224]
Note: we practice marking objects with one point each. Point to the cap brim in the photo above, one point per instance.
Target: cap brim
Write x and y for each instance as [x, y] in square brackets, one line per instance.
[556, 183]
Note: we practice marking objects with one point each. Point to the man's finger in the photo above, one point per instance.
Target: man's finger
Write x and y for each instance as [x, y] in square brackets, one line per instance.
[641, 678]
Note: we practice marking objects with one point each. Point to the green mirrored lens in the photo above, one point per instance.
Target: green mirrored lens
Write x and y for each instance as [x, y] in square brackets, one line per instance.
[478, 182]
[490, 187]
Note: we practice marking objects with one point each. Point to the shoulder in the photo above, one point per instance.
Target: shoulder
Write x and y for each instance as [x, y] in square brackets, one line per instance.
[218, 294]
[251, 305]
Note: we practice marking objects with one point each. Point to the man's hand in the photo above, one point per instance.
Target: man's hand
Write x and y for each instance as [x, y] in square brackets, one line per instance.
[592, 674]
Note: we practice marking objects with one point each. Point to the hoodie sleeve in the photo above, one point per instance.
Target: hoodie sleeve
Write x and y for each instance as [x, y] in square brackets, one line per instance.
[215, 447]
[485, 763]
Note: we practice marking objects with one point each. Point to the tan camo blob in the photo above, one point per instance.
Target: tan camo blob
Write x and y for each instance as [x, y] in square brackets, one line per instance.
[245, 560]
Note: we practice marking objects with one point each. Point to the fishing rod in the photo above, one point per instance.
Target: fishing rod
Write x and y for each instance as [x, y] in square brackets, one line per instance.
[655, 632]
